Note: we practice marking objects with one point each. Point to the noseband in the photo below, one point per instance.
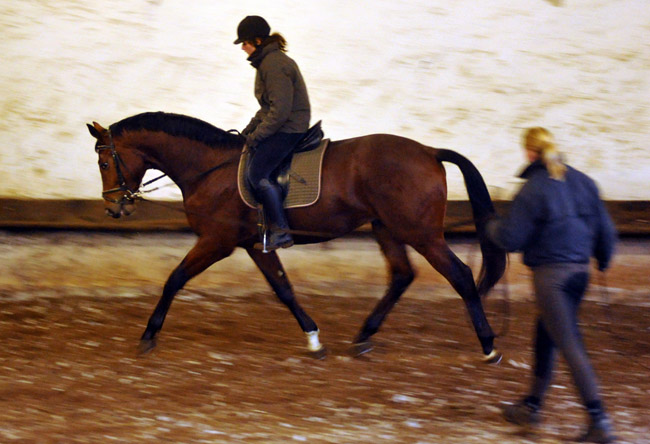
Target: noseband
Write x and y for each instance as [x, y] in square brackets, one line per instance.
[128, 196]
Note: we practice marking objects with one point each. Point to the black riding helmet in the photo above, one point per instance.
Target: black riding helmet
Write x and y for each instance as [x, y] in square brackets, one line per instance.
[252, 27]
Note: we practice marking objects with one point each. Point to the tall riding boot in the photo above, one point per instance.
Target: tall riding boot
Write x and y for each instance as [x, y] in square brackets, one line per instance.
[271, 199]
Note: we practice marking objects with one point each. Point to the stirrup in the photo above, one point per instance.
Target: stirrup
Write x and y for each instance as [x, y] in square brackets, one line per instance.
[263, 244]
[263, 230]
[266, 246]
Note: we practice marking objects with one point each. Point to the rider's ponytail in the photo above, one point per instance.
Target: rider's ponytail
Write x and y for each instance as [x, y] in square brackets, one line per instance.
[278, 38]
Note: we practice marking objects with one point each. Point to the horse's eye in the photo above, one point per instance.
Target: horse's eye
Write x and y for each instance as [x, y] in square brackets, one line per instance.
[103, 165]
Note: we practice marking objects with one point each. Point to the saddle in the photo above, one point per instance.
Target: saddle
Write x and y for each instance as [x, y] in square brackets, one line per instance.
[298, 175]
[310, 141]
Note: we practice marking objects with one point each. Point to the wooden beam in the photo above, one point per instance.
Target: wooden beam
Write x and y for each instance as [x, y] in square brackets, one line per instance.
[79, 214]
[630, 217]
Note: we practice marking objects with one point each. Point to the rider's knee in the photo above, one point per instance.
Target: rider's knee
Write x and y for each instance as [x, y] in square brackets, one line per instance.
[264, 183]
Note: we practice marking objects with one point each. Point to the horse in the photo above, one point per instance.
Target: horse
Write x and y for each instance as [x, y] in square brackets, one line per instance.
[394, 184]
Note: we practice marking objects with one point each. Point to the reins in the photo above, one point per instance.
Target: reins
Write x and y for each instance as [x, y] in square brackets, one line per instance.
[132, 195]
[140, 190]
[204, 173]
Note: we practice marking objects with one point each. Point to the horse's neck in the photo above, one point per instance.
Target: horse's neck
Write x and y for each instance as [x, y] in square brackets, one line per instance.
[188, 162]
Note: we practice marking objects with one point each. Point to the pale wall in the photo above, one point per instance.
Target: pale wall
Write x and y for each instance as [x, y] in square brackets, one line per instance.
[466, 74]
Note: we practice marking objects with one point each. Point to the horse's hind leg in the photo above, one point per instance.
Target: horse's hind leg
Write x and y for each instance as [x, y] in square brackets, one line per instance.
[201, 256]
[401, 276]
[270, 266]
[460, 277]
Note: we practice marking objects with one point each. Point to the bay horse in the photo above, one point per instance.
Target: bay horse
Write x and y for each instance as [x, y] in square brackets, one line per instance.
[396, 185]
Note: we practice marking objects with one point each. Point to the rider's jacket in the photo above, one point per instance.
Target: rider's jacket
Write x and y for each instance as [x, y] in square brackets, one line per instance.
[281, 92]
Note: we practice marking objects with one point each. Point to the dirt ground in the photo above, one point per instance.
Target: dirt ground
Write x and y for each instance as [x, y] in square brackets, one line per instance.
[231, 364]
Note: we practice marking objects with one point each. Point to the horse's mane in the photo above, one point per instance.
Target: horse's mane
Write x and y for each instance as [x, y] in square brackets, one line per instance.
[180, 126]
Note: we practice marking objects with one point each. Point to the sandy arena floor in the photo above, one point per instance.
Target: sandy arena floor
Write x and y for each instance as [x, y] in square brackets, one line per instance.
[231, 365]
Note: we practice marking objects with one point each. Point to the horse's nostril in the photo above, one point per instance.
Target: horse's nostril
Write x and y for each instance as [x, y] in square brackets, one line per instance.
[128, 209]
[112, 213]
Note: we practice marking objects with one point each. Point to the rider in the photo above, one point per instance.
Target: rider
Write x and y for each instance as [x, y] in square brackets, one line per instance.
[280, 123]
[558, 220]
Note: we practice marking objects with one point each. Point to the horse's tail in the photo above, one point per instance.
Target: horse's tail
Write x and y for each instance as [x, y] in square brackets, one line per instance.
[494, 257]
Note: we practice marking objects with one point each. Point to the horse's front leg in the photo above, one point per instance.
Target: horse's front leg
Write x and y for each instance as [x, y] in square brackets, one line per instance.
[205, 253]
[271, 268]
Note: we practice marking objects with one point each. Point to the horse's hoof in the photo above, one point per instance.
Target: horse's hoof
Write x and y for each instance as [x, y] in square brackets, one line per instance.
[146, 346]
[321, 353]
[361, 348]
[493, 358]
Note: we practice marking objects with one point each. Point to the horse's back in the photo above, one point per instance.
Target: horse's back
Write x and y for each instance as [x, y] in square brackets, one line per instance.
[381, 176]
[378, 157]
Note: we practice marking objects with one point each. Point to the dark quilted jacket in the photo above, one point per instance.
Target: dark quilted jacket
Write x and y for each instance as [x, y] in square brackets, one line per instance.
[554, 221]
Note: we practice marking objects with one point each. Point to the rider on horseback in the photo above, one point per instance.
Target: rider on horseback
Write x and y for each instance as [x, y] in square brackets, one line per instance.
[280, 123]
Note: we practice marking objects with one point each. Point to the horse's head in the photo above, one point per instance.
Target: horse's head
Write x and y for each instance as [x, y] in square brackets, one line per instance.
[121, 169]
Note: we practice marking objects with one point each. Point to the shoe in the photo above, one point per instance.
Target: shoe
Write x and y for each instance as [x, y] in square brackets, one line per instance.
[521, 413]
[599, 431]
[279, 239]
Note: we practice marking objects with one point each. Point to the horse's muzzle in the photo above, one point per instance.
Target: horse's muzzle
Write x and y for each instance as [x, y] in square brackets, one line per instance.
[118, 210]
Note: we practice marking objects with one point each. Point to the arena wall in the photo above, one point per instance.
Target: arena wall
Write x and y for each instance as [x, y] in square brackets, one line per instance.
[464, 75]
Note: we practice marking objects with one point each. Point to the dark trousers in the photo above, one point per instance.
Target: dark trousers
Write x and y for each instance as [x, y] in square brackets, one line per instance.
[559, 289]
[268, 155]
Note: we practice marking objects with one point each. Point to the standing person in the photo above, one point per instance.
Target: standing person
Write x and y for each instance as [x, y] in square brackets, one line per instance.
[280, 123]
[559, 222]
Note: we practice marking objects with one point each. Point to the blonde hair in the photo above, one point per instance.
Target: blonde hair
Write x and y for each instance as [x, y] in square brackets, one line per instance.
[540, 140]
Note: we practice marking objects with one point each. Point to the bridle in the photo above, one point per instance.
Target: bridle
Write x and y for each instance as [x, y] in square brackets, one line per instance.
[128, 195]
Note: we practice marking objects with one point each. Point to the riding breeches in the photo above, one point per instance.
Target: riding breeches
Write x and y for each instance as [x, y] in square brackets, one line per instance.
[559, 289]
[268, 156]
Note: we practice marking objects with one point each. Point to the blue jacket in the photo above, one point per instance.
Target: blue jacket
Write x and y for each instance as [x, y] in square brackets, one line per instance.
[555, 221]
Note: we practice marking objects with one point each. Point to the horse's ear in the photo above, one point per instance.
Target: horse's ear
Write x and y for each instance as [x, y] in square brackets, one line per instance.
[95, 129]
